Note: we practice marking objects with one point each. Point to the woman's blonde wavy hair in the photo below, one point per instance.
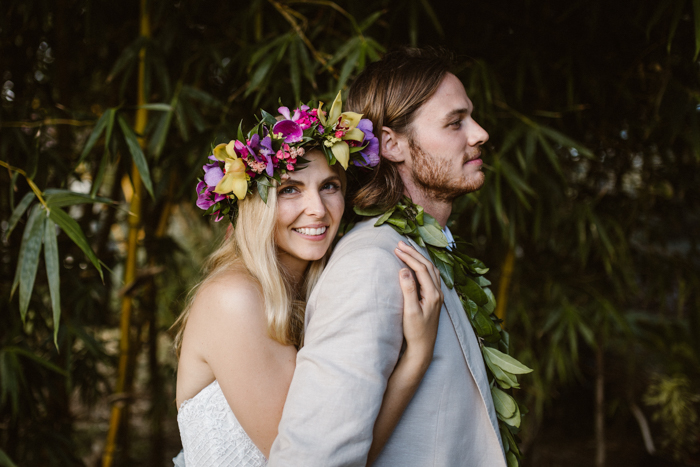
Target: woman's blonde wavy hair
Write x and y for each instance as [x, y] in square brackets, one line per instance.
[251, 246]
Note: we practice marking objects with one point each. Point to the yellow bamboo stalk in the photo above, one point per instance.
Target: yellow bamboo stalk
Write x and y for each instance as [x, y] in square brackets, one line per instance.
[130, 268]
[506, 275]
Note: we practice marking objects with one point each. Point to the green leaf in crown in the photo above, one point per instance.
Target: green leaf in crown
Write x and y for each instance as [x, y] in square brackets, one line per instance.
[465, 275]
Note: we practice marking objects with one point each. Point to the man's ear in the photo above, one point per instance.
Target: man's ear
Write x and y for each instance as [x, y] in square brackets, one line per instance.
[393, 145]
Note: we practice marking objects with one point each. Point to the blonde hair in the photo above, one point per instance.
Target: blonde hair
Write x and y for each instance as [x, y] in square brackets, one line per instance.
[251, 247]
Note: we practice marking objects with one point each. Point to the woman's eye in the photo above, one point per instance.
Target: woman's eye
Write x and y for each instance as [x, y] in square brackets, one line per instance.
[331, 186]
[288, 190]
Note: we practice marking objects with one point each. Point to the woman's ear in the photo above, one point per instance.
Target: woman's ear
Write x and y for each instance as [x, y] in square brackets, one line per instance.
[393, 145]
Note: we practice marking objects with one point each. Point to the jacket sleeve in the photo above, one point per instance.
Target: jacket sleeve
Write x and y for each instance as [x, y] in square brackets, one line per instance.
[353, 338]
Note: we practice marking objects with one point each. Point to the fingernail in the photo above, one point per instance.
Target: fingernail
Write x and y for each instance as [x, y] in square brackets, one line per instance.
[405, 274]
[398, 251]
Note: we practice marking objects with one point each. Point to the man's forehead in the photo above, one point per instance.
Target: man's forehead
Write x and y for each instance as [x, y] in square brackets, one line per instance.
[449, 98]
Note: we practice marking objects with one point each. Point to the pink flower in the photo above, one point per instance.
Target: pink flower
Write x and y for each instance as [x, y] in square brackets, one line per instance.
[339, 134]
[290, 167]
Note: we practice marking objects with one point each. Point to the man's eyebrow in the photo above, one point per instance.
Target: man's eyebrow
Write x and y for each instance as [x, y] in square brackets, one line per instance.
[455, 113]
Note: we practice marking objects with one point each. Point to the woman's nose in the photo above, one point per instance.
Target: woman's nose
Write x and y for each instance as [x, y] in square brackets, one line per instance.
[315, 205]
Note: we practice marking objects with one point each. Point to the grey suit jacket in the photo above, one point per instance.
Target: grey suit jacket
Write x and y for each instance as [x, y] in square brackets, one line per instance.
[353, 338]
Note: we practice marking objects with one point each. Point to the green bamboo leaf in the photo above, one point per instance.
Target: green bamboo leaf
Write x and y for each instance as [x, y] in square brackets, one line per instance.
[504, 404]
[348, 67]
[566, 141]
[433, 17]
[551, 155]
[261, 72]
[200, 96]
[5, 460]
[96, 132]
[344, 51]
[294, 71]
[52, 273]
[100, 174]
[127, 57]
[432, 235]
[161, 132]
[57, 197]
[370, 20]
[19, 212]
[73, 230]
[30, 262]
[506, 362]
[137, 154]
[156, 106]
[110, 126]
[33, 218]
[41, 361]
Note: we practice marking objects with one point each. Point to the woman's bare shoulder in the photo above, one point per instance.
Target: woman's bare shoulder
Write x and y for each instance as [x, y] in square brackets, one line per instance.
[231, 299]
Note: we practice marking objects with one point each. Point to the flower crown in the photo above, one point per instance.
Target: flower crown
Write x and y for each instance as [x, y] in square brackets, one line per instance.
[276, 146]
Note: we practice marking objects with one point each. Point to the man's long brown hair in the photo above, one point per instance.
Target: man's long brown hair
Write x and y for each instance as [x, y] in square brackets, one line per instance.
[389, 93]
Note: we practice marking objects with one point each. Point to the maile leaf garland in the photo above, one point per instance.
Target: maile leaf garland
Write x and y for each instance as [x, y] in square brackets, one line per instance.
[466, 276]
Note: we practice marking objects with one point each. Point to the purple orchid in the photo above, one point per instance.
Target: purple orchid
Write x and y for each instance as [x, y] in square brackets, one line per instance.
[212, 174]
[267, 152]
[206, 197]
[284, 111]
[371, 152]
[290, 130]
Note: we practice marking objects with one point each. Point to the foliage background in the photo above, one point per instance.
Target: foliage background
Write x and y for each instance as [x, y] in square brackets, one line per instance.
[590, 216]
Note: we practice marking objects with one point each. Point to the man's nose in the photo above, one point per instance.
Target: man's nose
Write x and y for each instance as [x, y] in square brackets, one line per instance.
[477, 135]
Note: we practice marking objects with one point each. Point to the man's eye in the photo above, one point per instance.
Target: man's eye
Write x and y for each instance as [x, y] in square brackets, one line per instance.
[456, 123]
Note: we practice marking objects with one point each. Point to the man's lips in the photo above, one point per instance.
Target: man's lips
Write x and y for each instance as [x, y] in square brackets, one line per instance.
[474, 160]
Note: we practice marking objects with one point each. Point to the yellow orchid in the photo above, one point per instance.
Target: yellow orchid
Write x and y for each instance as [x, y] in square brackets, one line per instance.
[347, 121]
[235, 179]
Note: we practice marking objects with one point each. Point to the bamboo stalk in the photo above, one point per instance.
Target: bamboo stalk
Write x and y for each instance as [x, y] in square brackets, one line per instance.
[506, 275]
[600, 408]
[130, 269]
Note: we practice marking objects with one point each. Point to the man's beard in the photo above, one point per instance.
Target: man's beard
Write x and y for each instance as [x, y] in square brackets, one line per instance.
[435, 179]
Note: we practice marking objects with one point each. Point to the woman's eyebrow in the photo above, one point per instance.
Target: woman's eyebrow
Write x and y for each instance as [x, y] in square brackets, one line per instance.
[331, 178]
[291, 182]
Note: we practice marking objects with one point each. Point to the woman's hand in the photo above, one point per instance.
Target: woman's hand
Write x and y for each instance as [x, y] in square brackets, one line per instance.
[422, 304]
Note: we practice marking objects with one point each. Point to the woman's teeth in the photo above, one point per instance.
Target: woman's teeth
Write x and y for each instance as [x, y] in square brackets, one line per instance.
[307, 231]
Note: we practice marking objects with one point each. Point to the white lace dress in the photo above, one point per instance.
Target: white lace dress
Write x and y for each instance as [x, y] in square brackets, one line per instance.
[211, 435]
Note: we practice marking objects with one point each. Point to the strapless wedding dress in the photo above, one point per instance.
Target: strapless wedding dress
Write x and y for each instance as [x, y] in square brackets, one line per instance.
[211, 435]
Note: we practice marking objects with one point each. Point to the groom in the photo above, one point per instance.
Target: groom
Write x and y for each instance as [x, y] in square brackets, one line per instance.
[430, 151]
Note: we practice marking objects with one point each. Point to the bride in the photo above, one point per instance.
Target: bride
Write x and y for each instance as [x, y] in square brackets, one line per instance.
[239, 335]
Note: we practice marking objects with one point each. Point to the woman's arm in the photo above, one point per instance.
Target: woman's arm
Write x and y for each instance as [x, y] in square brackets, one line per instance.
[420, 323]
[228, 324]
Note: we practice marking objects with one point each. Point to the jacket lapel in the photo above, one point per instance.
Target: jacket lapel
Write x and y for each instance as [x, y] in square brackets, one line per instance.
[469, 344]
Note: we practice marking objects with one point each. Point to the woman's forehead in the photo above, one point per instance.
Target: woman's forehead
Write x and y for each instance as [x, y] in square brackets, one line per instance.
[317, 167]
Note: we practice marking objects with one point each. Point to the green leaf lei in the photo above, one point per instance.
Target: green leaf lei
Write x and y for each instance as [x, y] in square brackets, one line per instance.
[466, 276]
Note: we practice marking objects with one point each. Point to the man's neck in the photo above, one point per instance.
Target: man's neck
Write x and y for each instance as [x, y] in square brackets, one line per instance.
[439, 209]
